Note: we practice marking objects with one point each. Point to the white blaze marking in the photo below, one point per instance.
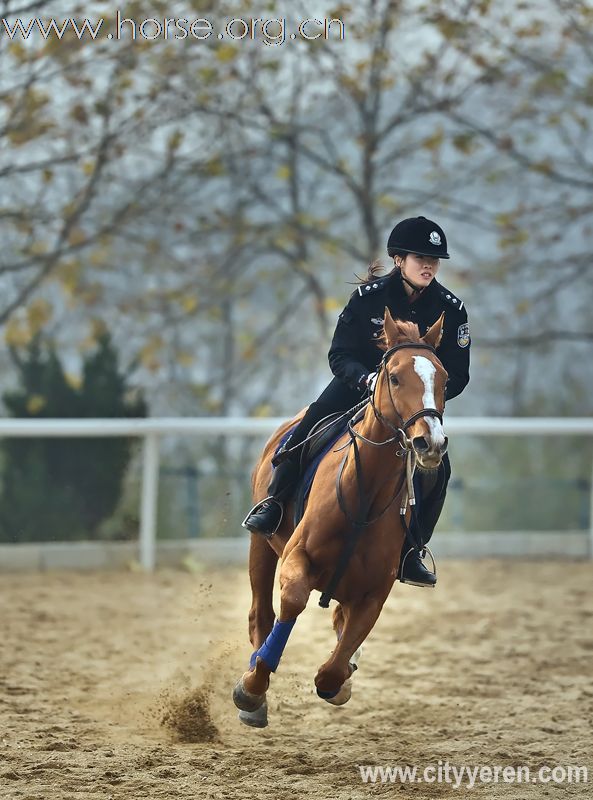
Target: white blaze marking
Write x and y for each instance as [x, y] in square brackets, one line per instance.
[427, 370]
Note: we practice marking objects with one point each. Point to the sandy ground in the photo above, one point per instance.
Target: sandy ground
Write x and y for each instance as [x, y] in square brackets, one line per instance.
[493, 668]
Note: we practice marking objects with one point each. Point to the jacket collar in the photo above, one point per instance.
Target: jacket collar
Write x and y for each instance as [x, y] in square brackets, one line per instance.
[398, 292]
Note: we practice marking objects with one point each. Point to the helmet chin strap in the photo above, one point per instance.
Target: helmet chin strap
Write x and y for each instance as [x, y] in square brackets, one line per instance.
[416, 289]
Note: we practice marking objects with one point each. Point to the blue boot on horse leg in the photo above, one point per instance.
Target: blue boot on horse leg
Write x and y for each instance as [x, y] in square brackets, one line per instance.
[249, 694]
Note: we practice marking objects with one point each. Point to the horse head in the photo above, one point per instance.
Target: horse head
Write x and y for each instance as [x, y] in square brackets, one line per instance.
[409, 394]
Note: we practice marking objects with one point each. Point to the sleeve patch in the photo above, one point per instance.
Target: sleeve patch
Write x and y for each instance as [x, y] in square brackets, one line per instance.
[463, 338]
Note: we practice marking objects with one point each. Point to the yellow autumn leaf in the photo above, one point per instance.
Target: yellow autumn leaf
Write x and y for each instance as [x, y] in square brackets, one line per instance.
[98, 257]
[35, 403]
[38, 248]
[175, 140]
[283, 172]
[263, 410]
[214, 167]
[17, 333]
[226, 52]
[18, 51]
[150, 352]
[68, 274]
[329, 247]
[332, 304]
[184, 358]
[98, 328]
[434, 141]
[188, 302]
[38, 314]
[88, 167]
[73, 381]
[523, 307]
[76, 237]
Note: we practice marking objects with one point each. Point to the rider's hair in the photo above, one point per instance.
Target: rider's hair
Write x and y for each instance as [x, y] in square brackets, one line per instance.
[376, 270]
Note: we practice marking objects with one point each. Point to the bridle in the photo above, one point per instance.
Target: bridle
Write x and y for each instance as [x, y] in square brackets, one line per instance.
[404, 489]
[401, 435]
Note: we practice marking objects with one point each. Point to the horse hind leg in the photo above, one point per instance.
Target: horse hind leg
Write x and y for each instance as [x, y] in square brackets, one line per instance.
[358, 620]
[345, 692]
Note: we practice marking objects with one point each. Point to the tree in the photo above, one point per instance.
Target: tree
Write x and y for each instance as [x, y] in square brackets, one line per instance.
[55, 489]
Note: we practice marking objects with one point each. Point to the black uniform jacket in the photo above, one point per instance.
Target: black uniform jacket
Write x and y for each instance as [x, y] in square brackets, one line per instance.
[354, 353]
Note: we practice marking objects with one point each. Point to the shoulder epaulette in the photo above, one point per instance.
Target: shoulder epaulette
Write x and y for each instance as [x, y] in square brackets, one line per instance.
[370, 287]
[450, 298]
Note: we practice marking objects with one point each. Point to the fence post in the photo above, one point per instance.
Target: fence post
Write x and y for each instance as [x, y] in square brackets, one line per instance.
[148, 509]
[591, 516]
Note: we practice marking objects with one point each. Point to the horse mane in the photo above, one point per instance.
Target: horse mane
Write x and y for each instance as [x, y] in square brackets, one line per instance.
[408, 332]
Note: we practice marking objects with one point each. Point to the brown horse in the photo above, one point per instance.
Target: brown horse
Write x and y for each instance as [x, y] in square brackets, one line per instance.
[401, 427]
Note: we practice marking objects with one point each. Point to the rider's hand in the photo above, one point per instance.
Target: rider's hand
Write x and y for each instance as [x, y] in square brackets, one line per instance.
[371, 381]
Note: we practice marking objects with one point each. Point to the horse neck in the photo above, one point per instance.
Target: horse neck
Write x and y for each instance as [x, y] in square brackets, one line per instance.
[381, 467]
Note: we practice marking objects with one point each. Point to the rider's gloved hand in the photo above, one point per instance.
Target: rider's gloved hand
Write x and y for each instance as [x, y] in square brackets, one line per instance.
[371, 381]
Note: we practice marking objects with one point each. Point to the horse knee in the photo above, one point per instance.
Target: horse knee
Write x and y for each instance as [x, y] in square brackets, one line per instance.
[293, 599]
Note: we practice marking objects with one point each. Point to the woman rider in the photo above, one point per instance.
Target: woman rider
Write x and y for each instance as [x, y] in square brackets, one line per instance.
[411, 292]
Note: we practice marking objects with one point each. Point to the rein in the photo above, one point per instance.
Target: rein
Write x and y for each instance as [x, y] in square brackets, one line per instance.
[360, 521]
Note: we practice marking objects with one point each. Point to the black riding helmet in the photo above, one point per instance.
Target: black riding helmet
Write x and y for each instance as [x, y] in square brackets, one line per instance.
[418, 235]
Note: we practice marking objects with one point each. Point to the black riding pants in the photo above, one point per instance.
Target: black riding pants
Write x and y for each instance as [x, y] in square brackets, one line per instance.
[337, 396]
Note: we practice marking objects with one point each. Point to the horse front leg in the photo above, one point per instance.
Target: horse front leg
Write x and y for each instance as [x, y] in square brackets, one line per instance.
[262, 571]
[295, 588]
[357, 620]
[253, 711]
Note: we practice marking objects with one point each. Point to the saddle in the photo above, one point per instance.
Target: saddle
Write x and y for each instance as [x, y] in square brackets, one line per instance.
[323, 436]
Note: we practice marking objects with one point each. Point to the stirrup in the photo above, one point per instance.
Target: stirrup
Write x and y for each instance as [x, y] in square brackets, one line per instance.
[423, 551]
[257, 507]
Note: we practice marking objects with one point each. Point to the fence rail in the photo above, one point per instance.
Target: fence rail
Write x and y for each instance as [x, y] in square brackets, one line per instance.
[151, 430]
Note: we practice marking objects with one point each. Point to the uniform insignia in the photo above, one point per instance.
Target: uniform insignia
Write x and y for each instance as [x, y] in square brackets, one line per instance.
[435, 238]
[377, 320]
[369, 288]
[463, 335]
[450, 298]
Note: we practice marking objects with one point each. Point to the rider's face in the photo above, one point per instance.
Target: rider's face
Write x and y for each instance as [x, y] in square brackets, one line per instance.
[419, 270]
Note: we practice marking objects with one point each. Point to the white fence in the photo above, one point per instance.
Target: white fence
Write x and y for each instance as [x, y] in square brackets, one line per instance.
[151, 430]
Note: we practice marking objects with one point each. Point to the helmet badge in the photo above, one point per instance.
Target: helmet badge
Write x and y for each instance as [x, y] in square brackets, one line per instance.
[435, 238]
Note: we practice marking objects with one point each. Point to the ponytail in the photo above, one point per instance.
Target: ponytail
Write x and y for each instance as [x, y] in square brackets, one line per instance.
[376, 270]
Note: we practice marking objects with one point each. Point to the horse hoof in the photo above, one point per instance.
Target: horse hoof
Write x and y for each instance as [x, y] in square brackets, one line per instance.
[255, 719]
[343, 695]
[246, 701]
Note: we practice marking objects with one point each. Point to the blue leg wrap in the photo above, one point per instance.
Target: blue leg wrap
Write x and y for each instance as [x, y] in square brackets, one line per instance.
[271, 650]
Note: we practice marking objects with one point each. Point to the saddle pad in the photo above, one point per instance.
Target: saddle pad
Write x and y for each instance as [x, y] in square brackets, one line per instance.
[306, 480]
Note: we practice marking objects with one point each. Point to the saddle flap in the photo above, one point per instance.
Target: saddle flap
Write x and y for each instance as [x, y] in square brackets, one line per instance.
[324, 432]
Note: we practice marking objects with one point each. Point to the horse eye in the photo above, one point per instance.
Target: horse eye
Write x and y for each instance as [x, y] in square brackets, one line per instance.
[393, 380]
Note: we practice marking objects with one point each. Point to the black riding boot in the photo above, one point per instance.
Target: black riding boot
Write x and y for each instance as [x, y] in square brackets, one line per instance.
[265, 517]
[412, 569]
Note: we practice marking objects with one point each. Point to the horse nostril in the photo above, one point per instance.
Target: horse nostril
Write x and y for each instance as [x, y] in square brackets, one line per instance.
[420, 444]
[445, 445]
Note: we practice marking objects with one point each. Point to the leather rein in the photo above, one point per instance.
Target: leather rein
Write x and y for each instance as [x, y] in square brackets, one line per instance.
[360, 521]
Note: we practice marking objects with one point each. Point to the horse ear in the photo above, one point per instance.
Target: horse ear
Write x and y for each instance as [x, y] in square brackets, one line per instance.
[434, 334]
[394, 332]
